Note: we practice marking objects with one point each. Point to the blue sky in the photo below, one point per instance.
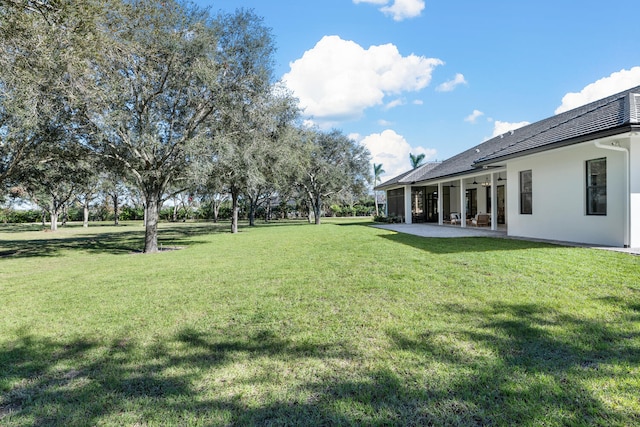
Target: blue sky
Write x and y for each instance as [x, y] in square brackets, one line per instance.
[438, 77]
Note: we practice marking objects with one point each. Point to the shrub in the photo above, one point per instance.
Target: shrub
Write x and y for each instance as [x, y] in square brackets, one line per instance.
[20, 216]
[393, 219]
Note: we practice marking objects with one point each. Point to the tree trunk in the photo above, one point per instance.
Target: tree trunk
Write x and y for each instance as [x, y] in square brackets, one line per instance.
[175, 211]
[316, 208]
[151, 213]
[234, 212]
[54, 214]
[54, 220]
[65, 214]
[116, 212]
[252, 212]
[144, 219]
[216, 210]
[267, 211]
[375, 200]
[85, 217]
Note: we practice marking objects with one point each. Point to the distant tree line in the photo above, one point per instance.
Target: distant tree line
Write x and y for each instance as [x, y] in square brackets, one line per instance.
[102, 209]
[132, 104]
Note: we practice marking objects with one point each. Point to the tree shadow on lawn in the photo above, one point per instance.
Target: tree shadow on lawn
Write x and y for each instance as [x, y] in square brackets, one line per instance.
[349, 221]
[519, 371]
[44, 381]
[525, 374]
[21, 228]
[116, 242]
[450, 245]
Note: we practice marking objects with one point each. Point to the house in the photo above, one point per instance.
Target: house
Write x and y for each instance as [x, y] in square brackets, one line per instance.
[573, 177]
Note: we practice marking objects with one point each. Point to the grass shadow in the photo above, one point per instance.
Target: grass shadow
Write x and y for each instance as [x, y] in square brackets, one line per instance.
[21, 228]
[523, 373]
[44, 381]
[123, 240]
[516, 362]
[357, 221]
[452, 245]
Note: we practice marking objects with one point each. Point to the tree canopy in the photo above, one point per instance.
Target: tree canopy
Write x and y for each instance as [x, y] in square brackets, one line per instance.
[160, 94]
[330, 163]
[377, 173]
[155, 85]
[416, 159]
[44, 46]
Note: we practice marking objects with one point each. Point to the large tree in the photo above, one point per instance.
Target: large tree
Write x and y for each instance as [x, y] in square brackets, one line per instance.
[377, 173]
[416, 159]
[44, 47]
[154, 86]
[254, 112]
[55, 173]
[329, 163]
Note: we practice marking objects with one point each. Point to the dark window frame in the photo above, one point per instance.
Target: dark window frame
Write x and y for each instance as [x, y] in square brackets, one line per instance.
[526, 192]
[596, 187]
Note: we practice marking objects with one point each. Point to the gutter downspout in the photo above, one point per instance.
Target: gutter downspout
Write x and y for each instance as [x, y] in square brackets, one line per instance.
[627, 226]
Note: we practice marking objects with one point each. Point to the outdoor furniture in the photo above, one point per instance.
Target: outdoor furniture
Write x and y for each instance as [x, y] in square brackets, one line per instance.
[480, 220]
[455, 218]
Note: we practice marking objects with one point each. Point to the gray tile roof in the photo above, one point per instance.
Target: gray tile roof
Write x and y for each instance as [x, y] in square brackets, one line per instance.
[411, 176]
[618, 113]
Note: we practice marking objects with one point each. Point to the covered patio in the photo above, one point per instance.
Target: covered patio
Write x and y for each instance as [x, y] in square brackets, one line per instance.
[454, 201]
[435, 230]
[451, 231]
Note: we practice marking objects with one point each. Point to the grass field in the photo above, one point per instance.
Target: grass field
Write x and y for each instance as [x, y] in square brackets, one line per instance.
[296, 324]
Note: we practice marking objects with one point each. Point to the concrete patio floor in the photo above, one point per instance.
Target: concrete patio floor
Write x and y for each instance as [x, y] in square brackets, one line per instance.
[444, 231]
[434, 230]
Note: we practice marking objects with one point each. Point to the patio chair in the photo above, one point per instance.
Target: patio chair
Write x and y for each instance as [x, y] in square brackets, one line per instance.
[455, 218]
[480, 220]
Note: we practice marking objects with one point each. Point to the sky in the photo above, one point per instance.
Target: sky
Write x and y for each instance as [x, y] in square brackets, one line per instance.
[439, 77]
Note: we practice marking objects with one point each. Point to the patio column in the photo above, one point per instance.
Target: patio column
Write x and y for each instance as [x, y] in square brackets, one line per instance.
[494, 203]
[633, 214]
[386, 203]
[463, 205]
[407, 204]
[440, 204]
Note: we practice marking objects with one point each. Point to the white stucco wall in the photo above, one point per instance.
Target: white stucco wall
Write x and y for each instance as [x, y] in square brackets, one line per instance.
[407, 204]
[559, 197]
[634, 160]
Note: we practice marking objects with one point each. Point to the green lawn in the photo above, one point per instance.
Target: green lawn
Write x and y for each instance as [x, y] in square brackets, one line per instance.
[296, 324]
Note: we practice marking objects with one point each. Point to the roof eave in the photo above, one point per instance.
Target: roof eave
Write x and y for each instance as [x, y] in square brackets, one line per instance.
[564, 143]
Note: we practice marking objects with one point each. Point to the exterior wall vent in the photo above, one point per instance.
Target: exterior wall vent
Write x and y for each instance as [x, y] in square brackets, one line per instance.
[633, 108]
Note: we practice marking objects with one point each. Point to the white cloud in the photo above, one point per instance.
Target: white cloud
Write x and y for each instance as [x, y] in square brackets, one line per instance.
[403, 9]
[393, 104]
[338, 79]
[392, 150]
[418, 102]
[503, 127]
[473, 117]
[616, 82]
[450, 85]
[400, 9]
[385, 123]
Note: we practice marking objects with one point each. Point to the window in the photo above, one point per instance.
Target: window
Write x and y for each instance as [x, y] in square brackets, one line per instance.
[526, 194]
[597, 187]
[471, 202]
[395, 202]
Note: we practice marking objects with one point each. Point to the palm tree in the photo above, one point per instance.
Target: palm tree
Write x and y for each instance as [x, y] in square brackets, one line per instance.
[377, 171]
[416, 160]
